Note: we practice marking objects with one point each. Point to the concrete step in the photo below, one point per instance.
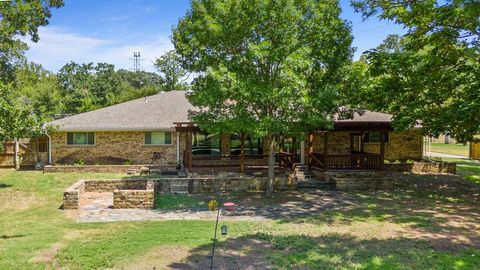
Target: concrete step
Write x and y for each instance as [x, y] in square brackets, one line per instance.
[179, 192]
[317, 186]
[356, 174]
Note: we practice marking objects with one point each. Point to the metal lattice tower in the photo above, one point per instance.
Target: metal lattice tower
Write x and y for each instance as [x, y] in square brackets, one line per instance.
[136, 61]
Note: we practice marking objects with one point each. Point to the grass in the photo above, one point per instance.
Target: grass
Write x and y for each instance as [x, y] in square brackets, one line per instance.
[470, 169]
[179, 201]
[402, 229]
[452, 149]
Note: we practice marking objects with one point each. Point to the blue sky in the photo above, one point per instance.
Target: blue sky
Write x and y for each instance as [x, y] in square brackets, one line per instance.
[111, 30]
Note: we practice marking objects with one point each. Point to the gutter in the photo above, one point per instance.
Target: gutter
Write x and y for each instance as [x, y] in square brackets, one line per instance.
[178, 147]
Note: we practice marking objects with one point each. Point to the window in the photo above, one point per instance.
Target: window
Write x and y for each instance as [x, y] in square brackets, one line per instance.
[80, 138]
[205, 144]
[158, 138]
[374, 137]
[252, 146]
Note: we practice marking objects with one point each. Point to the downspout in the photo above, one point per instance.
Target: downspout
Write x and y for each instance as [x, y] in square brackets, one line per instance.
[49, 149]
[178, 147]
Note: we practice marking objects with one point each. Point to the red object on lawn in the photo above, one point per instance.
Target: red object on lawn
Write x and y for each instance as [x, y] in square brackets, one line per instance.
[229, 206]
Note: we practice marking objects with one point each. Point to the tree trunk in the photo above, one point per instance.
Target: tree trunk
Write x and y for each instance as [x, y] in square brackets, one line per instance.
[15, 155]
[271, 165]
[242, 152]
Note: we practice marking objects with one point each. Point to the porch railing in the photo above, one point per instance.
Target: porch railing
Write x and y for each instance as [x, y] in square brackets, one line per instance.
[363, 161]
[284, 160]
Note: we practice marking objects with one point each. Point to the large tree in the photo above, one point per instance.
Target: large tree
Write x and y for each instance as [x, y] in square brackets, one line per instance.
[433, 74]
[20, 18]
[173, 74]
[267, 68]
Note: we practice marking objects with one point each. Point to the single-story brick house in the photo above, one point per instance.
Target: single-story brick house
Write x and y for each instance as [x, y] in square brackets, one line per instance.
[157, 130]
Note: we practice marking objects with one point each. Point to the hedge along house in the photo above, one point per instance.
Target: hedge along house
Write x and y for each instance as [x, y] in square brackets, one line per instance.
[156, 130]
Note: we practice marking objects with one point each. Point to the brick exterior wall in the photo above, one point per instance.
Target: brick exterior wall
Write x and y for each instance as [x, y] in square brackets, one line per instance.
[401, 146]
[112, 147]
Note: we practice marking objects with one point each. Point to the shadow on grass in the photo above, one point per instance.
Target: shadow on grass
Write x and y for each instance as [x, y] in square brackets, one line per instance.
[12, 236]
[2, 185]
[334, 251]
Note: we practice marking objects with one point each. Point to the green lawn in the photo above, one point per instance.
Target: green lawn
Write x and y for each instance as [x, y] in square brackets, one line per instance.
[408, 228]
[452, 149]
[470, 169]
[180, 201]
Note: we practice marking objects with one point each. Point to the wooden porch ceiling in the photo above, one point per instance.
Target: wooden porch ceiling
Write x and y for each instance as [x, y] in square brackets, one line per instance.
[186, 127]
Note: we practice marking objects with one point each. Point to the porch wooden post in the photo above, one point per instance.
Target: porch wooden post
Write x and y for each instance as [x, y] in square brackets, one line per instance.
[351, 143]
[310, 148]
[242, 152]
[382, 149]
[294, 150]
[325, 149]
[362, 142]
[189, 148]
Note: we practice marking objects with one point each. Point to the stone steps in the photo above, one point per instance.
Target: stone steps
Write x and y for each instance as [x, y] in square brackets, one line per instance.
[179, 186]
[307, 181]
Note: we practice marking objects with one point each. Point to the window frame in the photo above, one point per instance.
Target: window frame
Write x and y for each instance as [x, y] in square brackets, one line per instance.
[153, 144]
[209, 147]
[73, 144]
[387, 137]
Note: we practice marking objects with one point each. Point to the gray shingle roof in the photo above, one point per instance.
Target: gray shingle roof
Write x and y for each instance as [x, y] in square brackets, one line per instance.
[157, 112]
[368, 116]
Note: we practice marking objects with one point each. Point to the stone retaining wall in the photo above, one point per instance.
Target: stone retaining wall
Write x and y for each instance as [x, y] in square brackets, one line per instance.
[143, 199]
[71, 196]
[238, 183]
[110, 185]
[349, 180]
[423, 167]
[103, 168]
[130, 198]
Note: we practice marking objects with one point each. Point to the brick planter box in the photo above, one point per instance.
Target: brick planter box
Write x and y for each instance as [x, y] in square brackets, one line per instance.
[71, 196]
[423, 167]
[143, 199]
[103, 168]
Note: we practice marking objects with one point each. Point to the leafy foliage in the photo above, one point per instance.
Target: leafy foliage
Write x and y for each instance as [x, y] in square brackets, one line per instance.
[86, 87]
[20, 18]
[172, 72]
[17, 117]
[432, 75]
[266, 67]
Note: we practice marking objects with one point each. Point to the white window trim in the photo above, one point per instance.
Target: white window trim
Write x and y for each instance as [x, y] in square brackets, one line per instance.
[170, 144]
[81, 145]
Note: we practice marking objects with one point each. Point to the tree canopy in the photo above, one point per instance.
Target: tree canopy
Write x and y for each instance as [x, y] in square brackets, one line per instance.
[171, 71]
[433, 75]
[267, 68]
[20, 18]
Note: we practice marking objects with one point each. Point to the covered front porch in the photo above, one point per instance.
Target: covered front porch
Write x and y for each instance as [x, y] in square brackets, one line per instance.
[210, 153]
[349, 146]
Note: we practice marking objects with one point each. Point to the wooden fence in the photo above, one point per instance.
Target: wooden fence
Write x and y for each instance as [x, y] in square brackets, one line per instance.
[475, 150]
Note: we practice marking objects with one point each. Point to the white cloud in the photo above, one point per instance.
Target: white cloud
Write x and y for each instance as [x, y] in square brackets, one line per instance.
[58, 47]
